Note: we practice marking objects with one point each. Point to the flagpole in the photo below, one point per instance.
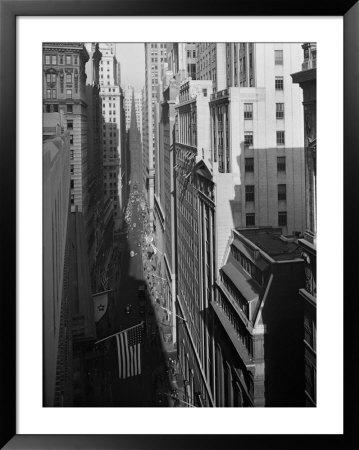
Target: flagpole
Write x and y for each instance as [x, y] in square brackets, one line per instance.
[112, 335]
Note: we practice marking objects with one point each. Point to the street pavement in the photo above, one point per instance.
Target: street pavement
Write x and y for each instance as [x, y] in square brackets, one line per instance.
[153, 386]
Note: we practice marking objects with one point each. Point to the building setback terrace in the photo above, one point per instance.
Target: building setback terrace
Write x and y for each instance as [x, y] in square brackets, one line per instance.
[270, 241]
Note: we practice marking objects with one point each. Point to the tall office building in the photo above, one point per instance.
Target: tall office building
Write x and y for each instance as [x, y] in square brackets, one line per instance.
[71, 90]
[258, 169]
[195, 239]
[307, 80]
[113, 131]
[180, 65]
[182, 59]
[71, 87]
[94, 162]
[135, 153]
[257, 147]
[56, 210]
[239, 163]
[64, 90]
[155, 55]
[211, 64]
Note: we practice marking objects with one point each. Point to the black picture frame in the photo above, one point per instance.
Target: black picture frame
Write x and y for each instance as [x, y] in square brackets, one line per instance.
[9, 10]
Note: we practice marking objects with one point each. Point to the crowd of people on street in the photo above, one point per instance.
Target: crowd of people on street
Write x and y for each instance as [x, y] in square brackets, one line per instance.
[164, 378]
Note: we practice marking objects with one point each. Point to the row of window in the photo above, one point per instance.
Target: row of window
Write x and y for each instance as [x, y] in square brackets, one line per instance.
[282, 219]
[52, 93]
[104, 90]
[191, 53]
[158, 45]
[235, 294]
[237, 324]
[248, 138]
[249, 164]
[248, 111]
[249, 192]
[61, 59]
[247, 265]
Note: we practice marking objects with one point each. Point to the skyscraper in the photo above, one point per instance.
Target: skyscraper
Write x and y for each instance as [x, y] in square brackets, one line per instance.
[65, 91]
[239, 163]
[56, 210]
[112, 129]
[155, 55]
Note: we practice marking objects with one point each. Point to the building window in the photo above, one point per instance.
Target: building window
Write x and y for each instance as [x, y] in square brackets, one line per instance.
[280, 138]
[53, 60]
[68, 59]
[68, 93]
[250, 193]
[282, 192]
[310, 332]
[48, 93]
[61, 59]
[248, 110]
[250, 220]
[51, 78]
[71, 139]
[281, 164]
[72, 169]
[282, 219]
[75, 60]
[47, 59]
[70, 124]
[249, 164]
[248, 138]
[53, 93]
[279, 83]
[279, 111]
[278, 57]
[69, 108]
[72, 183]
[72, 199]
[310, 380]
[204, 92]
[68, 78]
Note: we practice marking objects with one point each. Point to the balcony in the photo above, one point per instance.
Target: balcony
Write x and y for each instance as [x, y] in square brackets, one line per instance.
[219, 95]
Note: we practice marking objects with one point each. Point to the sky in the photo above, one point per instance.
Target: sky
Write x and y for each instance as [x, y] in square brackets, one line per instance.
[132, 60]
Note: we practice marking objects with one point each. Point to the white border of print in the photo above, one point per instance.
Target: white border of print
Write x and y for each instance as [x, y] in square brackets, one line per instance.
[327, 418]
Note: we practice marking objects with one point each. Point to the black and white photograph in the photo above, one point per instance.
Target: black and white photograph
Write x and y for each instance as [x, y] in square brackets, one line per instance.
[171, 238]
[179, 217]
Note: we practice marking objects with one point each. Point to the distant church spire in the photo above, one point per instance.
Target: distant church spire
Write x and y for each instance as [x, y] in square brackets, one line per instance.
[133, 121]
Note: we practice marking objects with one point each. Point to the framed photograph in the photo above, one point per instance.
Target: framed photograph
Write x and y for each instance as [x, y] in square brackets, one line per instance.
[243, 56]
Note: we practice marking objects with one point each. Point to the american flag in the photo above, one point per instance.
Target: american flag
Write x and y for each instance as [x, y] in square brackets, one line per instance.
[129, 351]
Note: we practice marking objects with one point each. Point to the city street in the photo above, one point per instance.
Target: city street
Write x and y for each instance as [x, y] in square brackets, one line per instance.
[151, 388]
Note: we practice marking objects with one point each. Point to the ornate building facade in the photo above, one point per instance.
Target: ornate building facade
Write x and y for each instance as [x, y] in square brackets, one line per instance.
[307, 79]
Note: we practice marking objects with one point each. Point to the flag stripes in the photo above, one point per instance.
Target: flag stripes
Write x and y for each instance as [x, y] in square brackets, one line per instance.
[129, 351]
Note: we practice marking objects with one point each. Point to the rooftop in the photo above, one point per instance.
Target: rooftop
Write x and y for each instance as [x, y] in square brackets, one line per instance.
[271, 242]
